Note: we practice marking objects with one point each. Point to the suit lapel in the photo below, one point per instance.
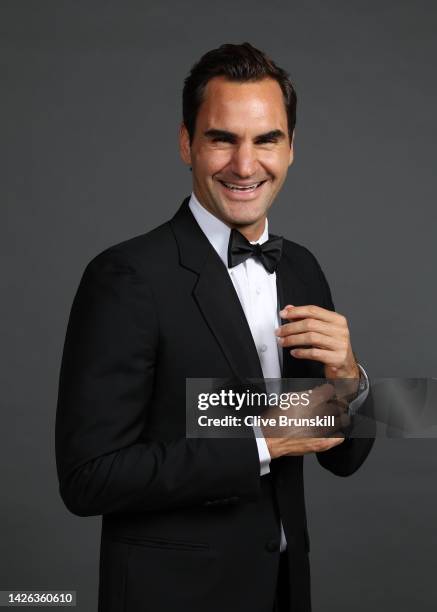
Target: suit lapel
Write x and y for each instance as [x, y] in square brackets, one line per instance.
[215, 295]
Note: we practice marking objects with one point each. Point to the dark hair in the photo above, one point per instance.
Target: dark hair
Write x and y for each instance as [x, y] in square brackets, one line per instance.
[237, 63]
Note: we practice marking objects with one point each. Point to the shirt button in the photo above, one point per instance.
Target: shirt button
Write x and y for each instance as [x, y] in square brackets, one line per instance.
[258, 290]
[263, 348]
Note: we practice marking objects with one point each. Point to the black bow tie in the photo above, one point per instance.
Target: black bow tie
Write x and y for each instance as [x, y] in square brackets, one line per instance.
[240, 249]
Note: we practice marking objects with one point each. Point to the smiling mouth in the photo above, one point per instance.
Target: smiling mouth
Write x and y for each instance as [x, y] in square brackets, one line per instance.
[242, 188]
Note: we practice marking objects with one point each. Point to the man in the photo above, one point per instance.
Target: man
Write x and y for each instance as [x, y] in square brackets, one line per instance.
[202, 524]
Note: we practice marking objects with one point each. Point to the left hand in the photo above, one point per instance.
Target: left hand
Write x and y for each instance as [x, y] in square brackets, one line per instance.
[321, 335]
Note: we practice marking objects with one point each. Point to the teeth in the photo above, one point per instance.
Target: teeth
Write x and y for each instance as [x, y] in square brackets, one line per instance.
[239, 188]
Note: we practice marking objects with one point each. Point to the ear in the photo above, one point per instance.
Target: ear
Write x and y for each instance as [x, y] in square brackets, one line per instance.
[184, 145]
[291, 155]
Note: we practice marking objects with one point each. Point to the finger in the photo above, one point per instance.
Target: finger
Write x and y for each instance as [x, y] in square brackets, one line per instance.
[311, 311]
[331, 430]
[312, 445]
[308, 325]
[315, 354]
[324, 444]
[331, 442]
[311, 339]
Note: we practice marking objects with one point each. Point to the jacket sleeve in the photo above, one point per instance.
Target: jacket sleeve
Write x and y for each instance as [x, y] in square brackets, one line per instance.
[347, 457]
[106, 383]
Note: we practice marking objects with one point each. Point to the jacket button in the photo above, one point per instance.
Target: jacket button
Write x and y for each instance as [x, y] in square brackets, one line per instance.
[272, 546]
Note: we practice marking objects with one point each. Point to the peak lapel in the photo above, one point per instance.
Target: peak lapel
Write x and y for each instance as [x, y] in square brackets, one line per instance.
[215, 295]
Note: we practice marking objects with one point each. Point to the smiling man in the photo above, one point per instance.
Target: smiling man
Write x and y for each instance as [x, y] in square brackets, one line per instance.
[203, 524]
[240, 151]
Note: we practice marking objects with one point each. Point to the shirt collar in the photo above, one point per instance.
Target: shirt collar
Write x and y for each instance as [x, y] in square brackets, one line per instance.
[216, 231]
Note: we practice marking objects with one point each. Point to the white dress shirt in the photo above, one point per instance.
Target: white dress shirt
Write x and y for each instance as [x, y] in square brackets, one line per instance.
[256, 290]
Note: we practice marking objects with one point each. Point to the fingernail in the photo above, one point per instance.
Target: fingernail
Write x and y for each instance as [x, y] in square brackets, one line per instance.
[284, 311]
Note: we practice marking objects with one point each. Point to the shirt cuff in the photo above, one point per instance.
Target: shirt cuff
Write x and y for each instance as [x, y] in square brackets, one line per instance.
[263, 451]
[363, 391]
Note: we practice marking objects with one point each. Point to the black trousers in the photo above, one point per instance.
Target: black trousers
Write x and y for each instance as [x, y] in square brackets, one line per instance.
[282, 601]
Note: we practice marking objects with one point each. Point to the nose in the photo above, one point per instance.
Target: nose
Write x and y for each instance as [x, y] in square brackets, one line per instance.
[244, 160]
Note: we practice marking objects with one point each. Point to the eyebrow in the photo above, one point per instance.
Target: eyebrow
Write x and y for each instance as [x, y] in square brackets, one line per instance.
[231, 137]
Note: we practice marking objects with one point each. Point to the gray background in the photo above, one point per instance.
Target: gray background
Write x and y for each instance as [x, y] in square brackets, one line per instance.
[90, 113]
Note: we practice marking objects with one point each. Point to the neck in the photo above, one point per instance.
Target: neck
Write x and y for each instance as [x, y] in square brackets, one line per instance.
[251, 232]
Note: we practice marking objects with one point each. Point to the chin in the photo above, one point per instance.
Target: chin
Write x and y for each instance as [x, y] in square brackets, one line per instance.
[243, 220]
[246, 216]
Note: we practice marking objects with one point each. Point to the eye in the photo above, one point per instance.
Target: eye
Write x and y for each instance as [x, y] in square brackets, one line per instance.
[271, 140]
[222, 139]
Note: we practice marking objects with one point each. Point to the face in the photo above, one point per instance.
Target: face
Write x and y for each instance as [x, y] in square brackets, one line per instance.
[240, 151]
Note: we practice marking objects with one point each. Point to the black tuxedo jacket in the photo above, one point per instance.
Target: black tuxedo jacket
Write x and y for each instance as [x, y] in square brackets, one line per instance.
[188, 524]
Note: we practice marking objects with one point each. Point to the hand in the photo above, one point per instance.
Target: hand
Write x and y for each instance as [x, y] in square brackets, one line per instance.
[299, 440]
[320, 335]
[293, 447]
